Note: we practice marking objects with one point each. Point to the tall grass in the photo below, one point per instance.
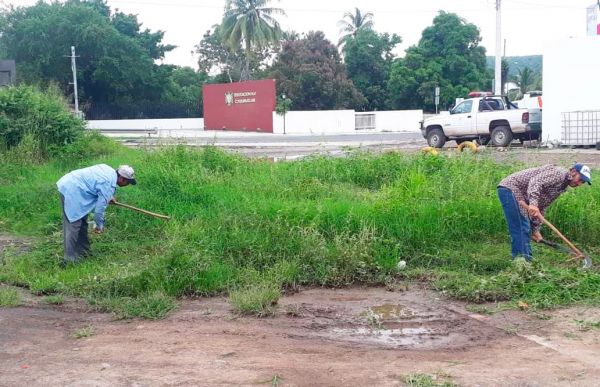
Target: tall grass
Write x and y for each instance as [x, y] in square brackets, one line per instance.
[240, 222]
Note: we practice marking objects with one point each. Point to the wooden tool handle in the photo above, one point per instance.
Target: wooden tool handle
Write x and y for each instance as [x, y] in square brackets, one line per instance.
[561, 236]
[556, 231]
[142, 211]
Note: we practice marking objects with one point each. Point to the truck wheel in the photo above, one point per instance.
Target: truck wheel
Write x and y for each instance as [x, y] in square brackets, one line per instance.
[436, 138]
[502, 136]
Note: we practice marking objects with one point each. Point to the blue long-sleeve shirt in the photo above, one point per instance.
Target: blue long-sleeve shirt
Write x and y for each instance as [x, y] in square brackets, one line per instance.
[88, 189]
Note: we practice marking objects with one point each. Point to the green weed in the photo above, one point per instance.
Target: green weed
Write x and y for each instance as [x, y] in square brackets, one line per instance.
[256, 299]
[152, 306]
[9, 297]
[425, 380]
[83, 332]
[585, 325]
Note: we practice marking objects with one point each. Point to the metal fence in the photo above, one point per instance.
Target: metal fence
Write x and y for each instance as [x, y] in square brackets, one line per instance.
[142, 110]
[581, 127]
[364, 121]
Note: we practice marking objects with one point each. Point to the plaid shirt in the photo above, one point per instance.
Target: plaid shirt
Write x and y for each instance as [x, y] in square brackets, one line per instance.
[538, 187]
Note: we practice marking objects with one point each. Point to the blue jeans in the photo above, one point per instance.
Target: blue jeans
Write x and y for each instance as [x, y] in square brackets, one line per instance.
[518, 225]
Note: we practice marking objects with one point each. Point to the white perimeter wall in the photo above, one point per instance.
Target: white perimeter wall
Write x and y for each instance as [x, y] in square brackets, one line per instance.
[171, 127]
[398, 121]
[571, 81]
[315, 122]
[343, 121]
[296, 122]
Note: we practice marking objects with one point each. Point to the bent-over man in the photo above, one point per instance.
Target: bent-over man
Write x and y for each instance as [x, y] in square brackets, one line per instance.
[81, 192]
[538, 188]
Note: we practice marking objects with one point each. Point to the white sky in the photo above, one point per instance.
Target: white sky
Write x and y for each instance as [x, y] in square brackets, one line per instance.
[527, 25]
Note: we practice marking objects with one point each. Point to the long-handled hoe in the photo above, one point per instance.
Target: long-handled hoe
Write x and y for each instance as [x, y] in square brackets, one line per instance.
[165, 217]
[587, 261]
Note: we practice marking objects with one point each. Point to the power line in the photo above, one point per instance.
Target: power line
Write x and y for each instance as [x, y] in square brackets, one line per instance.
[529, 7]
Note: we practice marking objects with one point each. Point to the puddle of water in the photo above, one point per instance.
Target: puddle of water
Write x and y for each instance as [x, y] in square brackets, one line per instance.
[395, 337]
[388, 312]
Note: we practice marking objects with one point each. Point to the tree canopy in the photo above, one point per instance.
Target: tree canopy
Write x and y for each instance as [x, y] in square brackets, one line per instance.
[310, 72]
[250, 23]
[115, 55]
[352, 23]
[368, 57]
[448, 55]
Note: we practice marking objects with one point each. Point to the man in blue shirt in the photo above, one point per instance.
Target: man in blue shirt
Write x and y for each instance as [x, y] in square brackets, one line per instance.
[82, 191]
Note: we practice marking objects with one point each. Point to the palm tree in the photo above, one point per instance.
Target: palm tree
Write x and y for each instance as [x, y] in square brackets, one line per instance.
[352, 23]
[525, 79]
[251, 23]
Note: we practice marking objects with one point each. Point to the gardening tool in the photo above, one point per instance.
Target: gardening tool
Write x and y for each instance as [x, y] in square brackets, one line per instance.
[142, 211]
[587, 261]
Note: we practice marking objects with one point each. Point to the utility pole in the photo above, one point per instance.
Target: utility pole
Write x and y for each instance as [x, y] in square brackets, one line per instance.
[74, 83]
[498, 66]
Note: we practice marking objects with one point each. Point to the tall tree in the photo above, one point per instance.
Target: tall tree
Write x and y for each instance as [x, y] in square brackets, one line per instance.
[310, 72]
[368, 57]
[526, 80]
[448, 55]
[214, 56]
[116, 60]
[252, 24]
[351, 23]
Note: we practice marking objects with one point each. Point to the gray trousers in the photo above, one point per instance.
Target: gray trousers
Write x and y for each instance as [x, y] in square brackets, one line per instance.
[75, 236]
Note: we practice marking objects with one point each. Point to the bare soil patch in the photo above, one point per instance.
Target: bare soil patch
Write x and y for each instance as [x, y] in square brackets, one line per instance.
[355, 336]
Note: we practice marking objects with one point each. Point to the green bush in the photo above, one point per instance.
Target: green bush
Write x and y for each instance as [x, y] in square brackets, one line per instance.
[43, 116]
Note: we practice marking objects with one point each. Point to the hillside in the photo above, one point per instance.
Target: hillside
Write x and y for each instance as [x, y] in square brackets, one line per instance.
[534, 62]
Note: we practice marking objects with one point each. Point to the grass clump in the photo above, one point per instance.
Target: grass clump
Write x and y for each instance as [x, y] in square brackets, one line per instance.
[9, 297]
[257, 299]
[151, 306]
[83, 332]
[586, 325]
[425, 380]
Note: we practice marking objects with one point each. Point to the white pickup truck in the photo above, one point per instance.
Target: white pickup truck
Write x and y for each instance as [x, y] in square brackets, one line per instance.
[485, 119]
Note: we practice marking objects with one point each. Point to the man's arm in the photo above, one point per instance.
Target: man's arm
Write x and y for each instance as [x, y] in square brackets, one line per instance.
[105, 193]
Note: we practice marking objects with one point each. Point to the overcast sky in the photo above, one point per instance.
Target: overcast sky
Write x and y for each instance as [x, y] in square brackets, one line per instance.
[527, 25]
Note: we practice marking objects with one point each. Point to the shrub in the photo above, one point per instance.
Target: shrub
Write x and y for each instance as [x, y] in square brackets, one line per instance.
[44, 116]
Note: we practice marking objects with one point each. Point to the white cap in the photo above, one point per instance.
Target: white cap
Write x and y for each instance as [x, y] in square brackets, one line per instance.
[127, 173]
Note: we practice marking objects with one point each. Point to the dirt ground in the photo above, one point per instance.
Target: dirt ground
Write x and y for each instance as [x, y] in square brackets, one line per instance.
[319, 337]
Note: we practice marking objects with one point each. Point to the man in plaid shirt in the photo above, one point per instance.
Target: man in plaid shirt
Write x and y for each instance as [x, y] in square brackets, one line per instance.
[538, 187]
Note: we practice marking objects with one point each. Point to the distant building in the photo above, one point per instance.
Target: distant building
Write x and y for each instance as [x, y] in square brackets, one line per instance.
[8, 72]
